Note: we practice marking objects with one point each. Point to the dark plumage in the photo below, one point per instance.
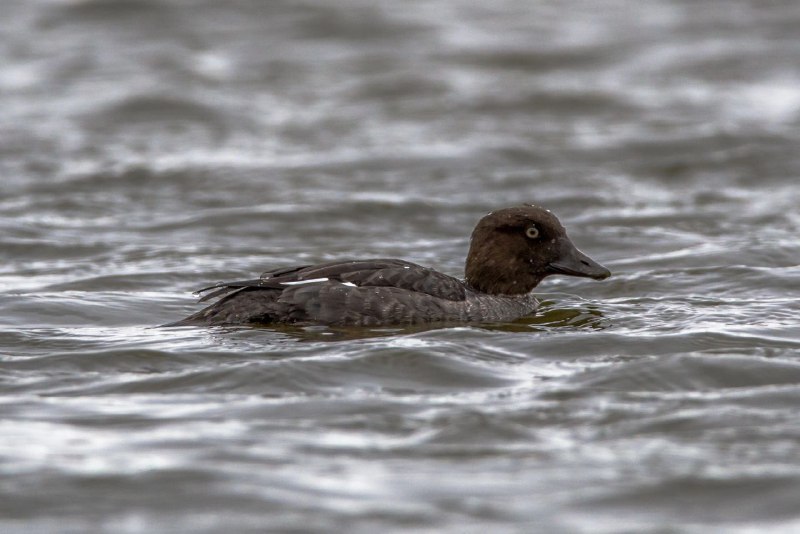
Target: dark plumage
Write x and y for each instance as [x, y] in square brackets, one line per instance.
[511, 251]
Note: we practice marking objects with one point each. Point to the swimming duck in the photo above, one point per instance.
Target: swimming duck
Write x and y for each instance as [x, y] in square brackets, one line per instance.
[511, 251]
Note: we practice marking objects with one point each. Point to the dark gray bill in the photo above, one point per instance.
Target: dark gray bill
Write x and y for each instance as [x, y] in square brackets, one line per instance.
[573, 262]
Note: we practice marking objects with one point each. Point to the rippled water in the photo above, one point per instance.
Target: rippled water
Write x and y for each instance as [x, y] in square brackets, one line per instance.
[149, 148]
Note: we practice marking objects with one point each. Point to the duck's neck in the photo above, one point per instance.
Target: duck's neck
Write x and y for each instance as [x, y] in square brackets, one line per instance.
[488, 275]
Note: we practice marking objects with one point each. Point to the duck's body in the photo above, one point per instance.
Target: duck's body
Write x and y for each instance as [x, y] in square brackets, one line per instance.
[360, 293]
[511, 251]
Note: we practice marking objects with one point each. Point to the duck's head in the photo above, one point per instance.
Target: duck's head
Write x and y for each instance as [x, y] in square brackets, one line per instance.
[513, 249]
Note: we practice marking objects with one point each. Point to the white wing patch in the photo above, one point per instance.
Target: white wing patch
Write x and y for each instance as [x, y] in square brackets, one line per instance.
[301, 282]
[314, 281]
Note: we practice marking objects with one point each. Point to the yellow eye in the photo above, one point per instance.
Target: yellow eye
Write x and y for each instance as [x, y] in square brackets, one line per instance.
[532, 232]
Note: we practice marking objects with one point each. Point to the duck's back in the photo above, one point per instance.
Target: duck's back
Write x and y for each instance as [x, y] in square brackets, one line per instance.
[364, 292]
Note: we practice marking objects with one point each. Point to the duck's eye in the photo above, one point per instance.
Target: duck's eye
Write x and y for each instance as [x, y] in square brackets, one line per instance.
[532, 232]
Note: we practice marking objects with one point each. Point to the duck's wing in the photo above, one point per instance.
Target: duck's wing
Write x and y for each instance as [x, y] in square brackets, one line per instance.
[360, 273]
[362, 292]
[410, 277]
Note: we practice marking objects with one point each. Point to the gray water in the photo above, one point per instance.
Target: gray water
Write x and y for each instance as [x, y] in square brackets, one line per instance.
[149, 148]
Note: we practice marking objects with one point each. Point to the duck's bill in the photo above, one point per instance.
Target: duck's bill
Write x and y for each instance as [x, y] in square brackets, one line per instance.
[573, 262]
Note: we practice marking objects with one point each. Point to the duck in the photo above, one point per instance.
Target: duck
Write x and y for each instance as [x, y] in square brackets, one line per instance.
[511, 251]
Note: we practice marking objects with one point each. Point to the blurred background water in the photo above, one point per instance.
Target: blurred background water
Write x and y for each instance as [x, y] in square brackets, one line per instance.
[151, 147]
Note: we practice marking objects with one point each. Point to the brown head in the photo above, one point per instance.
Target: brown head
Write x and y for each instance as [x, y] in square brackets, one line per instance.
[513, 249]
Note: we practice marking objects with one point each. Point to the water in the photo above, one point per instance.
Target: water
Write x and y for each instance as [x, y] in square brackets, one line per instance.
[149, 148]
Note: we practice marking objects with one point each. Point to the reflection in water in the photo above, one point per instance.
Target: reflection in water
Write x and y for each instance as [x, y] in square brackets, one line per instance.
[551, 315]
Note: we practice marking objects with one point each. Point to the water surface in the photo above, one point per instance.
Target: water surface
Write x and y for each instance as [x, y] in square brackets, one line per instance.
[149, 148]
